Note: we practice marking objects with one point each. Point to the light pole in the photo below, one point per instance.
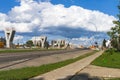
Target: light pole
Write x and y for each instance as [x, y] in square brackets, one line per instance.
[94, 26]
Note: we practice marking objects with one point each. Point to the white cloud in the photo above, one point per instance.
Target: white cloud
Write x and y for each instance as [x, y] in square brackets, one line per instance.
[76, 17]
[83, 38]
[32, 15]
[87, 41]
[18, 37]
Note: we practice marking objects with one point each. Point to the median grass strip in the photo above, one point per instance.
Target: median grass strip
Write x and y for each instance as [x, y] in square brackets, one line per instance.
[108, 59]
[29, 72]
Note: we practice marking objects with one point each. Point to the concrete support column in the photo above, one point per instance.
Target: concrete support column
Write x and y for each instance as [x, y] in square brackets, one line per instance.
[43, 41]
[9, 35]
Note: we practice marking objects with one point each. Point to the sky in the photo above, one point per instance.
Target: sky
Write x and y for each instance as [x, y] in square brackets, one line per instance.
[77, 21]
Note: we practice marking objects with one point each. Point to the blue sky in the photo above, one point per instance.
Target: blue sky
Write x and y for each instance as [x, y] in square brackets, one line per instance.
[106, 6]
[92, 13]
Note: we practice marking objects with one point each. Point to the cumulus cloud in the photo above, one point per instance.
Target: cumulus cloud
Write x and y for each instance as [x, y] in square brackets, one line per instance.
[33, 15]
[83, 38]
[87, 41]
[76, 17]
[18, 37]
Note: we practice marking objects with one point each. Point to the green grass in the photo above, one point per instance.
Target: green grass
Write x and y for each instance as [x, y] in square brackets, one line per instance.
[29, 72]
[109, 59]
[113, 79]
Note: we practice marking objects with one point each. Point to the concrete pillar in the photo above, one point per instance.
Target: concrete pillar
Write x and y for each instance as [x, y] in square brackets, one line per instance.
[43, 41]
[59, 43]
[9, 35]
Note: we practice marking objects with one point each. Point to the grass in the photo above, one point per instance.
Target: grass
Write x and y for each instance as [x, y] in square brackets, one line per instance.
[113, 79]
[29, 72]
[109, 59]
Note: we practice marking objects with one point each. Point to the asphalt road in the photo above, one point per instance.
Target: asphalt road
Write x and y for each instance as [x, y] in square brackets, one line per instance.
[9, 57]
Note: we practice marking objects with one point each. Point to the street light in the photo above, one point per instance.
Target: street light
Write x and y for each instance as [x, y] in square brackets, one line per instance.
[93, 25]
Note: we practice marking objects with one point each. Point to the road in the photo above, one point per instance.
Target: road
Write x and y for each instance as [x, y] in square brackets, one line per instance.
[8, 58]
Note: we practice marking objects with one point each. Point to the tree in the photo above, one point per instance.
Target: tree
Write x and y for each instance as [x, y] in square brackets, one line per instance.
[47, 44]
[114, 33]
[29, 43]
[104, 43]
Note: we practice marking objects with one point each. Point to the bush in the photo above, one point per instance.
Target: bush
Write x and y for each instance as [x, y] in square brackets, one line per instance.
[111, 50]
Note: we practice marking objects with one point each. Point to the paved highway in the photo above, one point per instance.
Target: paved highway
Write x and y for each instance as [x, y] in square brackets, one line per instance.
[9, 57]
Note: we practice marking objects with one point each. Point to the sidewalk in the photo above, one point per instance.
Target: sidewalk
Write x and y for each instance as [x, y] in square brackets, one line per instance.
[66, 72]
[103, 71]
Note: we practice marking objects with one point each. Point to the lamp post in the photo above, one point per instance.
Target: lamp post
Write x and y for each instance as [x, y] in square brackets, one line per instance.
[94, 26]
